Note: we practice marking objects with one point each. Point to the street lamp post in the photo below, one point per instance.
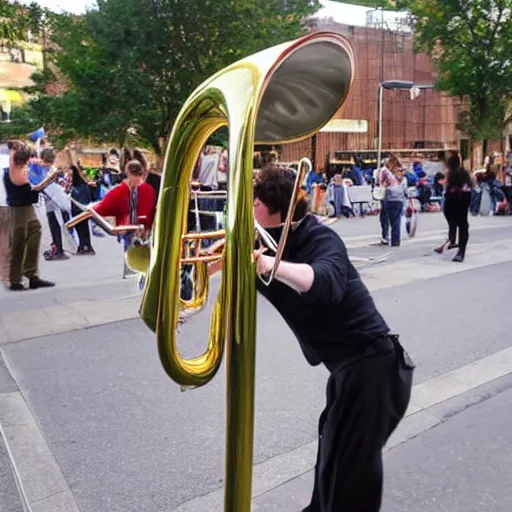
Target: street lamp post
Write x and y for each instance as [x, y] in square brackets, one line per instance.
[388, 85]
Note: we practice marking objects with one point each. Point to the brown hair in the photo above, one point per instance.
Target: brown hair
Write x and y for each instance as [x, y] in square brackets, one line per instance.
[133, 155]
[21, 151]
[135, 168]
[48, 156]
[274, 187]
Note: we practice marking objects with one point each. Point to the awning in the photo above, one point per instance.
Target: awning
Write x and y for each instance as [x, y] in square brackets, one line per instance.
[346, 126]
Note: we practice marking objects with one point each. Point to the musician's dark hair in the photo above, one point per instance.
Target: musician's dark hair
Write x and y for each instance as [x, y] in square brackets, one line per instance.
[48, 156]
[274, 187]
[21, 151]
[135, 168]
[457, 176]
[77, 179]
[129, 155]
[453, 162]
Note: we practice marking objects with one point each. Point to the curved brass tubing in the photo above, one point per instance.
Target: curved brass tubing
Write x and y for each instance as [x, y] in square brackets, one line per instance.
[281, 95]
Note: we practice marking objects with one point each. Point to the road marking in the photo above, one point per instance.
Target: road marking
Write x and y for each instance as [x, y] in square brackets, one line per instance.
[360, 241]
[278, 470]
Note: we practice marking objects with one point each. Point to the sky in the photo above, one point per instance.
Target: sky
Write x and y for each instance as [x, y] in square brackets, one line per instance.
[342, 13]
[74, 6]
[351, 14]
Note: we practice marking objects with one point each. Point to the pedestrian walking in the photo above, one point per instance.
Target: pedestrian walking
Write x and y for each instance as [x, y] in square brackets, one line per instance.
[392, 180]
[456, 207]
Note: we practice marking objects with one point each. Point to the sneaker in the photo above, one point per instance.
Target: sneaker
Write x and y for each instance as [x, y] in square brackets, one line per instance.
[384, 242]
[50, 253]
[458, 258]
[37, 282]
[86, 251]
[57, 256]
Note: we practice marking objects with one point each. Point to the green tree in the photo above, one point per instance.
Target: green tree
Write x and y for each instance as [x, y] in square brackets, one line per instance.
[130, 64]
[471, 42]
[18, 21]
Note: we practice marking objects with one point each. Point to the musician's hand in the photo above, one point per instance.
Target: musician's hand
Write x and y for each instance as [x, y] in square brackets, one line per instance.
[264, 264]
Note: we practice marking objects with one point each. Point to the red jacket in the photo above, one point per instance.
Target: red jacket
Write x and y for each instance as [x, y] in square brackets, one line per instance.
[117, 204]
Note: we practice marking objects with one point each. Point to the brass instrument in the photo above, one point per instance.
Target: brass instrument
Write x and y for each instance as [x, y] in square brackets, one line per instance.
[284, 94]
[89, 213]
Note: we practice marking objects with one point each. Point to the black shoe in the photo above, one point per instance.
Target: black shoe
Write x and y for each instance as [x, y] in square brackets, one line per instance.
[16, 287]
[57, 256]
[61, 256]
[83, 251]
[37, 282]
[458, 258]
[395, 244]
[442, 248]
[453, 246]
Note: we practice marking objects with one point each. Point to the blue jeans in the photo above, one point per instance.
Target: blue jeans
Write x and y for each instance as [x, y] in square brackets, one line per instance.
[394, 214]
[384, 220]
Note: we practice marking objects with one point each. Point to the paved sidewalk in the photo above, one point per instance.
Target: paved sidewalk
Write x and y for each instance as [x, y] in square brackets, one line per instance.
[433, 402]
[44, 313]
[9, 497]
[440, 469]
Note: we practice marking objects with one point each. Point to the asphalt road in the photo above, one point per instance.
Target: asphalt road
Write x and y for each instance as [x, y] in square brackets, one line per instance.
[128, 440]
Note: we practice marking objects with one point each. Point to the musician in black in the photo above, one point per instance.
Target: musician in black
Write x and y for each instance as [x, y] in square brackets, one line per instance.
[320, 295]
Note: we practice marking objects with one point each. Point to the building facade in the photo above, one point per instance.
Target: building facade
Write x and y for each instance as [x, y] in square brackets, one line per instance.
[428, 121]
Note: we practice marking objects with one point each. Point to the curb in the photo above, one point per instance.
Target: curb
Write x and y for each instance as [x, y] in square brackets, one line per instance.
[45, 488]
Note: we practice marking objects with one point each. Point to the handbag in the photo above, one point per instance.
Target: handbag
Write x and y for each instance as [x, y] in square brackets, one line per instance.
[411, 219]
[379, 193]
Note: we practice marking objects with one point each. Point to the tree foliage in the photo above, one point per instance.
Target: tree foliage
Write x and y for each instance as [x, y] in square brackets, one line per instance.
[471, 41]
[130, 64]
[18, 22]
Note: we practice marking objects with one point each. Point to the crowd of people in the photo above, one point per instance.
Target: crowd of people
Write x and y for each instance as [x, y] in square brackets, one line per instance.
[458, 194]
[370, 379]
[125, 189]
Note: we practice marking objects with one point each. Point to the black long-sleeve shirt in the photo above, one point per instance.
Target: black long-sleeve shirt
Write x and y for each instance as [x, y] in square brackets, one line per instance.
[337, 317]
[18, 195]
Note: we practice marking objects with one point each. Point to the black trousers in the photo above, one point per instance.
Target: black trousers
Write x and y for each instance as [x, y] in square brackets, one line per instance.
[367, 396]
[456, 210]
[55, 229]
[82, 229]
